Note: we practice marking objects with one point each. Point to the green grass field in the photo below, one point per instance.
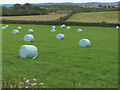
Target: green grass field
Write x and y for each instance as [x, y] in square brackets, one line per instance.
[96, 17]
[60, 62]
[34, 17]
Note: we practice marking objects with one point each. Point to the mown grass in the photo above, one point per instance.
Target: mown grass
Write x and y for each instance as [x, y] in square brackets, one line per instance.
[61, 62]
[97, 17]
[34, 17]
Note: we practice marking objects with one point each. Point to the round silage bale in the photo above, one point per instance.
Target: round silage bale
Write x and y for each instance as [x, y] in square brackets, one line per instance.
[61, 26]
[52, 30]
[3, 28]
[28, 52]
[117, 27]
[6, 26]
[53, 27]
[60, 36]
[15, 32]
[29, 38]
[68, 28]
[19, 28]
[84, 43]
[30, 30]
[79, 30]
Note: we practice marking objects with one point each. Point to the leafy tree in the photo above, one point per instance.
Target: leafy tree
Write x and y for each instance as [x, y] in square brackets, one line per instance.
[27, 6]
[113, 6]
[17, 6]
[104, 6]
[100, 6]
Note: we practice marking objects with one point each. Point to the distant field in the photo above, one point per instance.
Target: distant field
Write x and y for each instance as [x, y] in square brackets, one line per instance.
[60, 62]
[109, 17]
[34, 17]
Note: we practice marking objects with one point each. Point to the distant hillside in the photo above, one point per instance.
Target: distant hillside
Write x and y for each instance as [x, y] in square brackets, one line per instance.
[7, 5]
[68, 3]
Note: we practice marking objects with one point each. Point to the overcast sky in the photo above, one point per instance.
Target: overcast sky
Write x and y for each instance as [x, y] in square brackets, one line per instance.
[55, 1]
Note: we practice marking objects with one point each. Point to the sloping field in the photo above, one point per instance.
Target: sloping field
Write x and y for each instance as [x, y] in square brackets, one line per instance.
[34, 17]
[96, 17]
[61, 62]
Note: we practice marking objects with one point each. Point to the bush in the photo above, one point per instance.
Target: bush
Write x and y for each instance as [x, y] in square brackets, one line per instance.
[103, 22]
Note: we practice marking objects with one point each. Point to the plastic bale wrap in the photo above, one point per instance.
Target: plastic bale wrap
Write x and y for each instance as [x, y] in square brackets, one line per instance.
[53, 27]
[3, 28]
[6, 26]
[15, 32]
[79, 30]
[60, 36]
[61, 26]
[84, 43]
[52, 30]
[19, 28]
[29, 38]
[68, 28]
[30, 30]
[117, 27]
[28, 52]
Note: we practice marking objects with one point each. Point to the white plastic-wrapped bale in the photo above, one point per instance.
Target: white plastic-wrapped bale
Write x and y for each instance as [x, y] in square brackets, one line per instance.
[3, 28]
[29, 38]
[68, 28]
[52, 30]
[30, 30]
[84, 43]
[6, 26]
[60, 36]
[19, 28]
[117, 27]
[28, 52]
[53, 27]
[61, 26]
[79, 30]
[15, 32]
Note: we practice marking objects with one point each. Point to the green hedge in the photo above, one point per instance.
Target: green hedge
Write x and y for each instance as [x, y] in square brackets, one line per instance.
[65, 17]
[58, 23]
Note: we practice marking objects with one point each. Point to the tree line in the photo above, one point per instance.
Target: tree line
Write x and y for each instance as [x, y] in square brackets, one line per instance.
[26, 9]
[29, 9]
